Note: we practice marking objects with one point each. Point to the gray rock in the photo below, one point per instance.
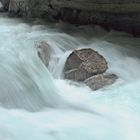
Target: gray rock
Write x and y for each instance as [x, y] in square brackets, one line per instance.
[18, 8]
[99, 81]
[28, 8]
[84, 63]
[44, 52]
[1, 7]
[123, 15]
[5, 4]
[37, 8]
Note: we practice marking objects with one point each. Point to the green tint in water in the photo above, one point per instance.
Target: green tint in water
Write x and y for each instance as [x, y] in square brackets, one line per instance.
[26, 84]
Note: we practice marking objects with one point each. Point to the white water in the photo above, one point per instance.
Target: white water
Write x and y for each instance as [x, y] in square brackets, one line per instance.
[26, 85]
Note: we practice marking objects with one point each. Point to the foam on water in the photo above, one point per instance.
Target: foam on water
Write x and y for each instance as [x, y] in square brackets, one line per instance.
[26, 84]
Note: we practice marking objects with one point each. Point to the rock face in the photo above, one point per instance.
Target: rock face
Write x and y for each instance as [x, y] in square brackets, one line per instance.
[1, 7]
[88, 66]
[38, 8]
[5, 4]
[44, 52]
[122, 15]
[18, 8]
[84, 63]
[29, 8]
[99, 81]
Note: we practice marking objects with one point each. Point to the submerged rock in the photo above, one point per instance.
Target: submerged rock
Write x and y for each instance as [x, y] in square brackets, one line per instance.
[99, 81]
[84, 63]
[44, 52]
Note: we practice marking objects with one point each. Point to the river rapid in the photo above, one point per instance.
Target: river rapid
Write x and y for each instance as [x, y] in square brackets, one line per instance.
[36, 103]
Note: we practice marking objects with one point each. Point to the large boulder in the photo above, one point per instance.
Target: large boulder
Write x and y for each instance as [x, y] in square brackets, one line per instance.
[84, 63]
[99, 81]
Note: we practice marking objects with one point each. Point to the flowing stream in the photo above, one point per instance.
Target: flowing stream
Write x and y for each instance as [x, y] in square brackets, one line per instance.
[36, 103]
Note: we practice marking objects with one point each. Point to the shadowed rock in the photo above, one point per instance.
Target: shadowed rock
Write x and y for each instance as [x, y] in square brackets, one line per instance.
[18, 8]
[1, 7]
[5, 5]
[122, 15]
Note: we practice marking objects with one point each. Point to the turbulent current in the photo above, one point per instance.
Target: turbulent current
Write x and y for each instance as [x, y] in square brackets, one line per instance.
[36, 103]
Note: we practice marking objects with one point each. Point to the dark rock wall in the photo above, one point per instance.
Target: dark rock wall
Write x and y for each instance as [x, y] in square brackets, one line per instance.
[122, 15]
[100, 5]
[5, 4]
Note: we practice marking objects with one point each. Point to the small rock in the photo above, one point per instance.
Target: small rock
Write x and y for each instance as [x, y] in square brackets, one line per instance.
[99, 81]
[44, 52]
[84, 63]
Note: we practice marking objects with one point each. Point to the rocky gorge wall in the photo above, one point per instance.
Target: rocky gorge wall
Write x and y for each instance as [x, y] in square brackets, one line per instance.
[123, 15]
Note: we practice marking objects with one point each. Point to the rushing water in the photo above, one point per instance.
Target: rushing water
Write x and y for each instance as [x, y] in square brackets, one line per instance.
[37, 104]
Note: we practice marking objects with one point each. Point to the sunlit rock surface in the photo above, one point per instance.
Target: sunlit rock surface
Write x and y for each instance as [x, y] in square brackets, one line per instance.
[84, 63]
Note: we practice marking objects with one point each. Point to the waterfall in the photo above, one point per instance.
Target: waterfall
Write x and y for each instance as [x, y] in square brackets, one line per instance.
[37, 103]
[24, 81]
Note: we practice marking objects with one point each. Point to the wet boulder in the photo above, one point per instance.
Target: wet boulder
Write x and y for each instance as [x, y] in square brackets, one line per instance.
[44, 51]
[99, 81]
[84, 63]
